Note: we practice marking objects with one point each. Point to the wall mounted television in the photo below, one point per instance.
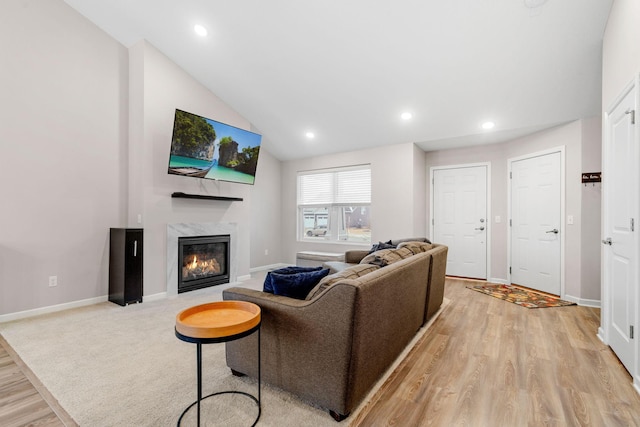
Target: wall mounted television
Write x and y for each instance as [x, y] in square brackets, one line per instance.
[205, 148]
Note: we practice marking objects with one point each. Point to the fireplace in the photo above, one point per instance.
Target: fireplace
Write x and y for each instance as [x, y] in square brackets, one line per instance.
[203, 261]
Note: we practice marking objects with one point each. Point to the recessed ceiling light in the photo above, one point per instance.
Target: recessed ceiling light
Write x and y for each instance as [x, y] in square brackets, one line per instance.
[406, 115]
[310, 135]
[488, 125]
[200, 30]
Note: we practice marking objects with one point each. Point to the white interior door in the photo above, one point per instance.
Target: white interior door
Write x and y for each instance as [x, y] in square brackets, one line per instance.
[536, 222]
[620, 254]
[460, 219]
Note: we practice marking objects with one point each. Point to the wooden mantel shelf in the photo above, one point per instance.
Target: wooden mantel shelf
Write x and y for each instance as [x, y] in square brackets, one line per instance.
[181, 195]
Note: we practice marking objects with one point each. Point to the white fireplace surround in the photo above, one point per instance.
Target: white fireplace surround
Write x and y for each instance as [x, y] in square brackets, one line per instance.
[174, 231]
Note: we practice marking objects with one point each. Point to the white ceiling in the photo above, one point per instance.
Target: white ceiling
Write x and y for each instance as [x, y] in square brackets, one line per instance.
[347, 69]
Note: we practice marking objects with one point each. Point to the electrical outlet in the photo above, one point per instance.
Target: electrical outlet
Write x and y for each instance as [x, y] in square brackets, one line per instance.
[53, 281]
[266, 251]
[570, 219]
[498, 219]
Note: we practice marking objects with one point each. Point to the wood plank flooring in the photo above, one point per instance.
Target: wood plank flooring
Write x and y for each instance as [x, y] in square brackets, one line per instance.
[484, 362]
[24, 401]
[487, 362]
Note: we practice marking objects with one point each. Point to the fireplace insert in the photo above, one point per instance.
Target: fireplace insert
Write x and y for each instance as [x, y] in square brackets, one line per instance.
[203, 261]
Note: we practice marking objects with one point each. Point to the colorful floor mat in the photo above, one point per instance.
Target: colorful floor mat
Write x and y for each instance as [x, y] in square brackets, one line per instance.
[524, 297]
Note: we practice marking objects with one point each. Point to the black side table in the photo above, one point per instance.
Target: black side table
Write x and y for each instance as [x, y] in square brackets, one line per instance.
[218, 322]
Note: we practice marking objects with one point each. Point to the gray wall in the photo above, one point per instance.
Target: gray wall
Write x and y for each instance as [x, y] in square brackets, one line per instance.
[63, 145]
[266, 213]
[572, 136]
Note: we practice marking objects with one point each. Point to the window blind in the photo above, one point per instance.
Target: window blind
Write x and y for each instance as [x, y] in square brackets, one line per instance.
[344, 186]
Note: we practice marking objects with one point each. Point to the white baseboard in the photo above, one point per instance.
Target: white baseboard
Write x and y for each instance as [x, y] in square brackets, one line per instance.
[154, 297]
[498, 281]
[243, 278]
[583, 301]
[51, 309]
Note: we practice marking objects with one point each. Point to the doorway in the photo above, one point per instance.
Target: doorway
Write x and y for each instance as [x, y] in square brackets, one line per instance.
[536, 211]
[459, 217]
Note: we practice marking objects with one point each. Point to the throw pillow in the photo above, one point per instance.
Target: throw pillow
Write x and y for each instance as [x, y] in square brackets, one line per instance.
[296, 285]
[411, 239]
[416, 247]
[348, 273]
[382, 245]
[268, 287]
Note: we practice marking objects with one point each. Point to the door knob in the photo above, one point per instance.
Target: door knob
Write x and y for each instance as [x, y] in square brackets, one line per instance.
[479, 228]
[554, 231]
[607, 241]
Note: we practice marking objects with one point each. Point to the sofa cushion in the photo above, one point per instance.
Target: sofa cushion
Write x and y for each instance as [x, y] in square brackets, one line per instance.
[416, 247]
[296, 285]
[387, 256]
[268, 287]
[352, 272]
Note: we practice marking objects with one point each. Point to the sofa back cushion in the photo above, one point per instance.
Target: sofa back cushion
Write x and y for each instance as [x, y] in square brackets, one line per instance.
[348, 273]
[387, 256]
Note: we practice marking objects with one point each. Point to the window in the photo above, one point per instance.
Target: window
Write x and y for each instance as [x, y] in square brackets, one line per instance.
[335, 204]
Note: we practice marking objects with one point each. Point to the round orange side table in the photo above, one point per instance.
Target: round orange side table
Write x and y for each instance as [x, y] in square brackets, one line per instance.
[218, 322]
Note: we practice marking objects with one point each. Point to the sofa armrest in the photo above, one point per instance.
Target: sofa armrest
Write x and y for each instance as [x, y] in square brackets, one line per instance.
[305, 345]
[437, 275]
[354, 257]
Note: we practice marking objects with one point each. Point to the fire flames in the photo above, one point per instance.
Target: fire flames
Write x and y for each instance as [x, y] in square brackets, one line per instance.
[195, 268]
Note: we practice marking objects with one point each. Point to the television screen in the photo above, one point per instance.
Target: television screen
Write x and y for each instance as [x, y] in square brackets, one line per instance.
[205, 148]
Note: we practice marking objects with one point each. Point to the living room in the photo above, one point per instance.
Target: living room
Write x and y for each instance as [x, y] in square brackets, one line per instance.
[119, 146]
[86, 130]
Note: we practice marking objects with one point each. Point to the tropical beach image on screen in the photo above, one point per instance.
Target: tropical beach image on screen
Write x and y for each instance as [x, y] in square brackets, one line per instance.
[205, 148]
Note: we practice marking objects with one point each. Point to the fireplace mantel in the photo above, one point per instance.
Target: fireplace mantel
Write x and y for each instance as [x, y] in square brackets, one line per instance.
[180, 195]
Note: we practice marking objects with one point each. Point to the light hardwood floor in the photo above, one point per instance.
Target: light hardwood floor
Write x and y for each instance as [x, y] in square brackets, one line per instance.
[24, 401]
[487, 362]
[484, 362]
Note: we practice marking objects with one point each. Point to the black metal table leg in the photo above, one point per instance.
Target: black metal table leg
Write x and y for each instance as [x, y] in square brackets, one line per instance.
[199, 342]
[199, 357]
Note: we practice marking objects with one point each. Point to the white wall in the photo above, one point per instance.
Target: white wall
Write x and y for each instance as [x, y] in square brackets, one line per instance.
[570, 136]
[620, 49]
[63, 136]
[397, 200]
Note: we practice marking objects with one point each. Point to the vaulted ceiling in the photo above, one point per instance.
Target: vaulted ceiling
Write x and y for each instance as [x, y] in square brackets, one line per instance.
[347, 69]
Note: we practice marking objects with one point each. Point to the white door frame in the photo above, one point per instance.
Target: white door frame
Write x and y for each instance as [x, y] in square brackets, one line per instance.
[606, 298]
[561, 150]
[488, 204]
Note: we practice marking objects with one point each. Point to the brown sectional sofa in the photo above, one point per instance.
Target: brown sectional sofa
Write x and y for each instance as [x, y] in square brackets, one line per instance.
[331, 348]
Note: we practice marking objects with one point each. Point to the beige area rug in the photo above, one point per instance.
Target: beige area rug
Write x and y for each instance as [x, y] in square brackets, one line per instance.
[123, 366]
